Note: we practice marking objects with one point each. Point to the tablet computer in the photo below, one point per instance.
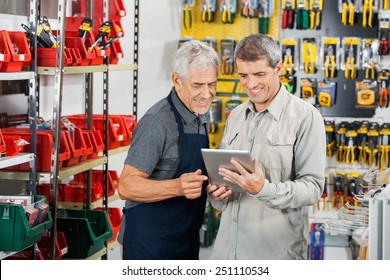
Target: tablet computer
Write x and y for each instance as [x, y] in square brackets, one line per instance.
[216, 158]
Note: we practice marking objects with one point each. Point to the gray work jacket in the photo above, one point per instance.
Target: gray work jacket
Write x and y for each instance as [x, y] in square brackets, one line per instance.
[288, 141]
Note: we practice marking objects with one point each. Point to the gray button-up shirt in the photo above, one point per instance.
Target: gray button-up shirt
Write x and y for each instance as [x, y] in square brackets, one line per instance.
[288, 141]
[154, 146]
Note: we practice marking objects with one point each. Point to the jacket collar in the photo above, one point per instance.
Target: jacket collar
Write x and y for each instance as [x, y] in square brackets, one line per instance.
[277, 105]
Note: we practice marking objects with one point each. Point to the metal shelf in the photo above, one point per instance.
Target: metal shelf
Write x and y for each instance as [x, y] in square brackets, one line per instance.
[119, 150]
[79, 205]
[62, 174]
[122, 67]
[23, 75]
[87, 69]
[14, 160]
[111, 245]
[5, 254]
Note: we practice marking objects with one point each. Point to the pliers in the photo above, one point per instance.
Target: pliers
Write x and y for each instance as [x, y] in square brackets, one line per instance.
[372, 149]
[247, 10]
[340, 139]
[362, 142]
[288, 15]
[207, 15]
[263, 17]
[309, 64]
[187, 13]
[329, 63]
[384, 43]
[302, 16]
[370, 68]
[227, 63]
[287, 63]
[350, 66]
[367, 9]
[315, 15]
[351, 191]
[348, 8]
[226, 14]
[385, 148]
[383, 96]
[349, 151]
[338, 193]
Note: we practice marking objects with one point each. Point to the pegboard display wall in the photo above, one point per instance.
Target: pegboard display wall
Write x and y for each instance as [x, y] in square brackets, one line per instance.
[218, 30]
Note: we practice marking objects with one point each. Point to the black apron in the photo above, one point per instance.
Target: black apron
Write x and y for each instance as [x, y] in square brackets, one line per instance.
[169, 229]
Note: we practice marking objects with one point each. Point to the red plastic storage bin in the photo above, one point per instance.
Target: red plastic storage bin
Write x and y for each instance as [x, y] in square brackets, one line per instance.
[76, 145]
[44, 189]
[43, 148]
[75, 191]
[5, 55]
[76, 56]
[130, 123]
[97, 142]
[114, 219]
[77, 43]
[47, 57]
[116, 9]
[3, 148]
[117, 134]
[12, 143]
[18, 49]
[61, 246]
[97, 177]
[88, 145]
[72, 29]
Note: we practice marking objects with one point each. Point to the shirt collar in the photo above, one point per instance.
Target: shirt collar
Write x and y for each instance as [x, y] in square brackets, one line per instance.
[187, 115]
[277, 105]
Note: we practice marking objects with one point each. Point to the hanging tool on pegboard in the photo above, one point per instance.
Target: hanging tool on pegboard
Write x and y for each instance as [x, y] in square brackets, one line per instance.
[249, 8]
[228, 10]
[315, 7]
[288, 14]
[187, 13]
[266, 10]
[347, 8]
[207, 8]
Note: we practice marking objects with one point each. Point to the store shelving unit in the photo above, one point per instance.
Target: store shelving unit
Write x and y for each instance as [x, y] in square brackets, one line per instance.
[56, 174]
[31, 76]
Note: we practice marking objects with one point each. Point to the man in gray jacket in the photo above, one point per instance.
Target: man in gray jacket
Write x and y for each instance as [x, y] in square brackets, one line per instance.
[286, 138]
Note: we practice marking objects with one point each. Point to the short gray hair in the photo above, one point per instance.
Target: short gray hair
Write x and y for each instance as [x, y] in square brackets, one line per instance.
[258, 46]
[194, 53]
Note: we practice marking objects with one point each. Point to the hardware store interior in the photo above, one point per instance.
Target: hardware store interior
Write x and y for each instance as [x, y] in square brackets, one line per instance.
[335, 55]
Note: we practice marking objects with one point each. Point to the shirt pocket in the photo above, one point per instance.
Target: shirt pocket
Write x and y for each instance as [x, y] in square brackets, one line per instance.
[280, 149]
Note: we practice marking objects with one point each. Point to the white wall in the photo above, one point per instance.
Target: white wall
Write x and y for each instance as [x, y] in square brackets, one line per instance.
[159, 30]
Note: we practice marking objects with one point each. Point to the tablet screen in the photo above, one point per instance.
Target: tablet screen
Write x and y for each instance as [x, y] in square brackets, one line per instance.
[216, 158]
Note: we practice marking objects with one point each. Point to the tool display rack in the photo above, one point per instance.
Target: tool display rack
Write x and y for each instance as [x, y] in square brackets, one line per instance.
[56, 174]
[331, 26]
[32, 78]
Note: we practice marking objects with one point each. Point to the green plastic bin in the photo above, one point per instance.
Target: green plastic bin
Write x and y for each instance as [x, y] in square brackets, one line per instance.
[85, 231]
[15, 232]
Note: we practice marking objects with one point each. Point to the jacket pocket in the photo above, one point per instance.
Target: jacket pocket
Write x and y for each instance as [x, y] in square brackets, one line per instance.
[280, 150]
